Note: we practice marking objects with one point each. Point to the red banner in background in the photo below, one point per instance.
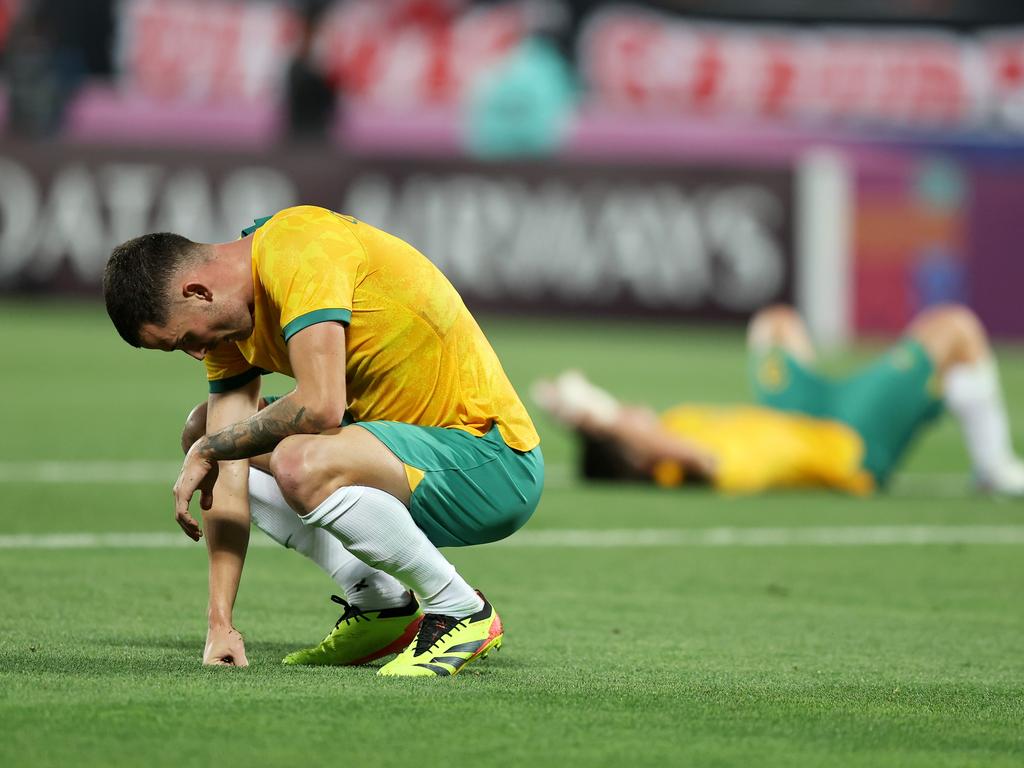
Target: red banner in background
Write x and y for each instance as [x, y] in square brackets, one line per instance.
[1004, 68]
[406, 53]
[8, 10]
[641, 61]
[409, 54]
[230, 50]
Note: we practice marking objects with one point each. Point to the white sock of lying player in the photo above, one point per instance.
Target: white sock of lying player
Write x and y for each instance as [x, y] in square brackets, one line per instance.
[378, 529]
[362, 585]
[973, 395]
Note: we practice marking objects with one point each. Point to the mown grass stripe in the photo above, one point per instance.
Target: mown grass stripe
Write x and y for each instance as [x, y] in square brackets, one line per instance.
[558, 475]
[835, 536]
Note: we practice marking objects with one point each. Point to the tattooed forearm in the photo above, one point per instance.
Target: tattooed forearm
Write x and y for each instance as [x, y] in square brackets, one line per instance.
[260, 432]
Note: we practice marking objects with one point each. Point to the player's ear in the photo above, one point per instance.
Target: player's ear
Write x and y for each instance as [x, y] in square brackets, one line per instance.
[188, 290]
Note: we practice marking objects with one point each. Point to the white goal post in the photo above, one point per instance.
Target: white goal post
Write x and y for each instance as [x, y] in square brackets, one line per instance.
[824, 243]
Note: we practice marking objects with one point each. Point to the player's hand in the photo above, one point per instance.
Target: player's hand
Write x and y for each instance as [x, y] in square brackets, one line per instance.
[225, 647]
[197, 474]
[702, 464]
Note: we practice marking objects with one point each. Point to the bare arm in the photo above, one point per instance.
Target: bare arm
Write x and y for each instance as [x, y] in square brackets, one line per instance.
[226, 523]
[647, 443]
[664, 446]
[317, 356]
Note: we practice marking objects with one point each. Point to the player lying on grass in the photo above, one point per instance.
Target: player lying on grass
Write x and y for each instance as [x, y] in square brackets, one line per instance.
[808, 429]
[443, 452]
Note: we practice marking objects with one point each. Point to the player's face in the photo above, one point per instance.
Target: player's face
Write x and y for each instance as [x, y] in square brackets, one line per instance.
[195, 328]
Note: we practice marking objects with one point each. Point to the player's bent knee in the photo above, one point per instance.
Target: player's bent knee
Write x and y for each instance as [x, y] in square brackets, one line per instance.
[951, 327]
[773, 324]
[307, 470]
[287, 465]
[780, 327]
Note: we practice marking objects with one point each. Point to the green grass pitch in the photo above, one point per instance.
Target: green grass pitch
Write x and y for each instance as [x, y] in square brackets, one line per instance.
[643, 656]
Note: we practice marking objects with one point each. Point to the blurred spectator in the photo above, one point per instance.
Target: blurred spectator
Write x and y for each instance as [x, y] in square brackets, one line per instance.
[53, 45]
[522, 106]
[311, 99]
[85, 30]
[36, 99]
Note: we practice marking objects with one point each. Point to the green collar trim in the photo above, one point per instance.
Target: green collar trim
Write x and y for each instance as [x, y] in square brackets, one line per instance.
[256, 224]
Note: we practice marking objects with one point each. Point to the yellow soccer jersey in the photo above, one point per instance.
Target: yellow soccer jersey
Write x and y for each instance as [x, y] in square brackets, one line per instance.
[414, 353]
[761, 448]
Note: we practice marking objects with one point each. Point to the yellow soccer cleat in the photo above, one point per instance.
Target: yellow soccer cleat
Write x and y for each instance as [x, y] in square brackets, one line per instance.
[361, 636]
[444, 645]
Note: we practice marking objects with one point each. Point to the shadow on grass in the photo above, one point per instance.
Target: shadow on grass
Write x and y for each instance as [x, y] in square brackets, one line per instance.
[188, 644]
[121, 657]
[108, 656]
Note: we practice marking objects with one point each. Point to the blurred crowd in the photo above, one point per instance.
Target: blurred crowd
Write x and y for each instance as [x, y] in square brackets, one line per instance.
[49, 48]
[517, 63]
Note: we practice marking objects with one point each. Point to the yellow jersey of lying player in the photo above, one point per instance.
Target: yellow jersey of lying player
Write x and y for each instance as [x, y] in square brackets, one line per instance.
[413, 351]
[761, 448]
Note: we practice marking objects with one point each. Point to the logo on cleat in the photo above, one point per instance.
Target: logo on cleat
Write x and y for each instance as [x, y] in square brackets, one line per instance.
[455, 662]
[439, 671]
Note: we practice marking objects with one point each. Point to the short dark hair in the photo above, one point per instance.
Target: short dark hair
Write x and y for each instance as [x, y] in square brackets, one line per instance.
[604, 459]
[135, 281]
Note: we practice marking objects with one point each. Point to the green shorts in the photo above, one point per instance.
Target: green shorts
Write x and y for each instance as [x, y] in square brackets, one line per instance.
[465, 489]
[887, 402]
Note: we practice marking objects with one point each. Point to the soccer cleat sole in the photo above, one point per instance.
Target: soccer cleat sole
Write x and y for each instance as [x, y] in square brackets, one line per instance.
[493, 645]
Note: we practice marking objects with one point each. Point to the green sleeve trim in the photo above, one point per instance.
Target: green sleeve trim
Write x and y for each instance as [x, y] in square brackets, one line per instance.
[218, 386]
[256, 224]
[316, 316]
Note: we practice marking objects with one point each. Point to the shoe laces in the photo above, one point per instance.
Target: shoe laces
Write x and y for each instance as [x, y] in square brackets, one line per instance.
[434, 628]
[351, 612]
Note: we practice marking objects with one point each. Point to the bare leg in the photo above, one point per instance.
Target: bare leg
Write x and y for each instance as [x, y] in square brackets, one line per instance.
[362, 585]
[310, 467]
[780, 327]
[348, 483]
[951, 334]
[957, 344]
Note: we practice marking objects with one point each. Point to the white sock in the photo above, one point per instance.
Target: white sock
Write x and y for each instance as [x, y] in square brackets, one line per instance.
[362, 585]
[973, 395]
[378, 529]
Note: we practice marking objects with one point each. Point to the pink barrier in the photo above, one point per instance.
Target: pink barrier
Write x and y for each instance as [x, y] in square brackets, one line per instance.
[597, 133]
[425, 132]
[104, 115]
[3, 107]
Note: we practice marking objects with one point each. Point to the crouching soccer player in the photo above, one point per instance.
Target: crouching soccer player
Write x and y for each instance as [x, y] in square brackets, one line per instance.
[436, 449]
[808, 430]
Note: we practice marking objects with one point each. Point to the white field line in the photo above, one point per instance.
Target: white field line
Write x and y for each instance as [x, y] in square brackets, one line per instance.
[558, 476]
[112, 472]
[838, 536]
